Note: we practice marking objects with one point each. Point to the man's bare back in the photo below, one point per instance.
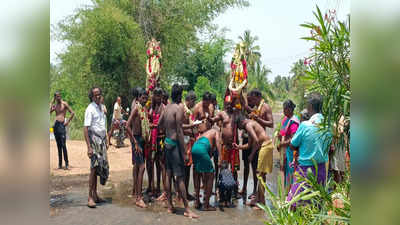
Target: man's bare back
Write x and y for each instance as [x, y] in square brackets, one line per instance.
[226, 128]
[214, 138]
[168, 120]
[256, 132]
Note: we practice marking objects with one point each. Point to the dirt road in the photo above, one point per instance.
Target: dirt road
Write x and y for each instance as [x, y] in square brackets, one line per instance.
[69, 191]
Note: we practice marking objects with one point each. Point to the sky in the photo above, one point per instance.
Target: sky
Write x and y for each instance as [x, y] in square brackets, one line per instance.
[275, 23]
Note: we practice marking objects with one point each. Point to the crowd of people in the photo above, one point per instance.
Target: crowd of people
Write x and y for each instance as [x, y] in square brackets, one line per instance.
[181, 136]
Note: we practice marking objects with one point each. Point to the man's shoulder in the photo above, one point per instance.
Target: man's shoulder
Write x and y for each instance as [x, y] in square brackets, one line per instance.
[198, 105]
[91, 106]
[266, 106]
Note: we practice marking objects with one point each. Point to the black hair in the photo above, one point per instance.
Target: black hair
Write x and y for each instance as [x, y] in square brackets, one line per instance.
[158, 91]
[288, 104]
[224, 165]
[315, 100]
[165, 94]
[207, 96]
[255, 93]
[305, 115]
[191, 96]
[213, 97]
[135, 92]
[141, 91]
[176, 93]
[90, 95]
[240, 117]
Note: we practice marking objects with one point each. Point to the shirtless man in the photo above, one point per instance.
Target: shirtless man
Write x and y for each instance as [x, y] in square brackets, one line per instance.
[258, 141]
[61, 107]
[201, 151]
[134, 130]
[224, 119]
[260, 112]
[165, 98]
[171, 121]
[133, 104]
[204, 110]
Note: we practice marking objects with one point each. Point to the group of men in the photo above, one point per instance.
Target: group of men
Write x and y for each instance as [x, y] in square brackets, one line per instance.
[174, 135]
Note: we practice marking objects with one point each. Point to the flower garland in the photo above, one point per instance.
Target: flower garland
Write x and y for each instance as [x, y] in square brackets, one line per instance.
[258, 110]
[153, 64]
[144, 121]
[189, 113]
[239, 70]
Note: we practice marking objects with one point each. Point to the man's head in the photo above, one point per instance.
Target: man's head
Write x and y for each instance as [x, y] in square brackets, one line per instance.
[142, 96]
[95, 94]
[176, 93]
[288, 108]
[190, 99]
[254, 97]
[119, 100]
[224, 165]
[57, 96]
[165, 97]
[241, 121]
[214, 99]
[157, 96]
[304, 115]
[135, 92]
[206, 99]
[227, 106]
[314, 103]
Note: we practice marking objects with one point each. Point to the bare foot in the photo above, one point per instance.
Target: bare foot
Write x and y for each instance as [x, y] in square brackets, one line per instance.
[190, 214]
[178, 201]
[91, 203]
[162, 197]
[256, 208]
[141, 203]
[252, 195]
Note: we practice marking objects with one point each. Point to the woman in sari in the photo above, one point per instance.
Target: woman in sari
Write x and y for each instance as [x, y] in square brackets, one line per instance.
[289, 126]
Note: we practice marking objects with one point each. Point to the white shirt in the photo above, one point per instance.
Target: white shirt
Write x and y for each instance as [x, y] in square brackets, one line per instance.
[95, 118]
[117, 111]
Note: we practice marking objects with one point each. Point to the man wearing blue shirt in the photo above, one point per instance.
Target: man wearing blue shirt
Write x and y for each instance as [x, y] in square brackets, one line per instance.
[312, 144]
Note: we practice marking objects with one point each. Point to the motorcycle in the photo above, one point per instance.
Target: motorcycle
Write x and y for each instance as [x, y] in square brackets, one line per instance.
[120, 134]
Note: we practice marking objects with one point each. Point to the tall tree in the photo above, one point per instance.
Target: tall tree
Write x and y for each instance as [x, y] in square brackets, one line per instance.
[258, 79]
[252, 53]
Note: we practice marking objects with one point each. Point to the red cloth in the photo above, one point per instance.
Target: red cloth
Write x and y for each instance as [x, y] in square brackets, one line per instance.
[154, 132]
